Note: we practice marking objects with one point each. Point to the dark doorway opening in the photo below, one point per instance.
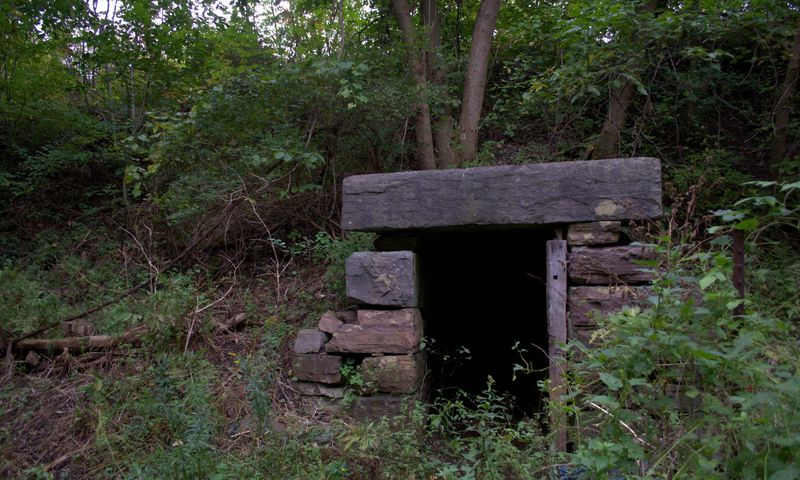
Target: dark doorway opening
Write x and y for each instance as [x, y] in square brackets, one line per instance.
[485, 293]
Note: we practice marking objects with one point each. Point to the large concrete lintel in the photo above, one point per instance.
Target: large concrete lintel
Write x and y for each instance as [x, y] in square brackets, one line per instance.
[516, 195]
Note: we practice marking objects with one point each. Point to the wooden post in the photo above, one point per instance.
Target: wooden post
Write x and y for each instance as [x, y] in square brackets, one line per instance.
[557, 333]
[738, 268]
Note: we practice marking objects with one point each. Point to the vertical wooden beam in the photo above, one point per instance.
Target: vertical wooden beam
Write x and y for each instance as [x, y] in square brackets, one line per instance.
[557, 333]
[738, 268]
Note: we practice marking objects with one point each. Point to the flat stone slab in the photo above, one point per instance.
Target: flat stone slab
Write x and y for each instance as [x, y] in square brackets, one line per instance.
[379, 331]
[347, 316]
[394, 373]
[594, 233]
[309, 341]
[386, 279]
[609, 265]
[587, 303]
[329, 322]
[379, 406]
[536, 194]
[316, 367]
[318, 390]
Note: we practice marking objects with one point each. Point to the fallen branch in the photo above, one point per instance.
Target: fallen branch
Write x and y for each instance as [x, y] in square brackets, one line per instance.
[232, 324]
[63, 458]
[93, 342]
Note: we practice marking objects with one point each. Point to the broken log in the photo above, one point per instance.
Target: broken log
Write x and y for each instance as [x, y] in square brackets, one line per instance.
[92, 342]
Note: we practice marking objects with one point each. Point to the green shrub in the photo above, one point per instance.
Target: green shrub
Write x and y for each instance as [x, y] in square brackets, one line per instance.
[688, 388]
[26, 303]
[334, 251]
[483, 441]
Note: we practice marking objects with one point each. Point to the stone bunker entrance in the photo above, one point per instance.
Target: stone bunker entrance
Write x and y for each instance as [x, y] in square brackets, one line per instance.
[485, 310]
[469, 262]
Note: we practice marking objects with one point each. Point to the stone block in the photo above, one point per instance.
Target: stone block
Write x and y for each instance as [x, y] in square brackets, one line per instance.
[309, 341]
[318, 406]
[394, 373]
[382, 278]
[317, 367]
[347, 316]
[380, 331]
[329, 322]
[318, 390]
[382, 405]
[593, 233]
[609, 265]
[586, 303]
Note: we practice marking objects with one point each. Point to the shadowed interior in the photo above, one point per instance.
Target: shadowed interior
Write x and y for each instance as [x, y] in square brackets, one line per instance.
[484, 293]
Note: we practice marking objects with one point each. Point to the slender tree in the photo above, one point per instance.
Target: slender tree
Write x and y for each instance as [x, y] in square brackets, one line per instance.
[427, 70]
[475, 81]
[620, 99]
[783, 106]
[443, 120]
[426, 158]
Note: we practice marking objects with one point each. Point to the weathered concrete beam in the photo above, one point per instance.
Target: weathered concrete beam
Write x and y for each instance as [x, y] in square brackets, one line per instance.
[379, 331]
[609, 265]
[386, 279]
[536, 194]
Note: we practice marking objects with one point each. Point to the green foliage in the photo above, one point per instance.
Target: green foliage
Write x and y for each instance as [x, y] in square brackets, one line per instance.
[334, 251]
[391, 448]
[688, 387]
[167, 412]
[710, 180]
[157, 116]
[26, 304]
[484, 441]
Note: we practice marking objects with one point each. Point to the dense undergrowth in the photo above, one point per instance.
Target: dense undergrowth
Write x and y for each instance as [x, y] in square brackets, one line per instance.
[686, 387]
[180, 164]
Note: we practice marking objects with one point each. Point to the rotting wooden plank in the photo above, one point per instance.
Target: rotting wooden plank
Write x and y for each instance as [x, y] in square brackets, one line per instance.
[557, 334]
[509, 195]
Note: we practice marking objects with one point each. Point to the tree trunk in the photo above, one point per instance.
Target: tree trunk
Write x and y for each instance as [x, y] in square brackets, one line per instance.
[607, 144]
[437, 71]
[475, 81]
[422, 124]
[340, 14]
[783, 107]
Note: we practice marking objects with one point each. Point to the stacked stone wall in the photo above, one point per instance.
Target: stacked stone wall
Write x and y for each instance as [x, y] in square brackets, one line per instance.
[605, 274]
[381, 338]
